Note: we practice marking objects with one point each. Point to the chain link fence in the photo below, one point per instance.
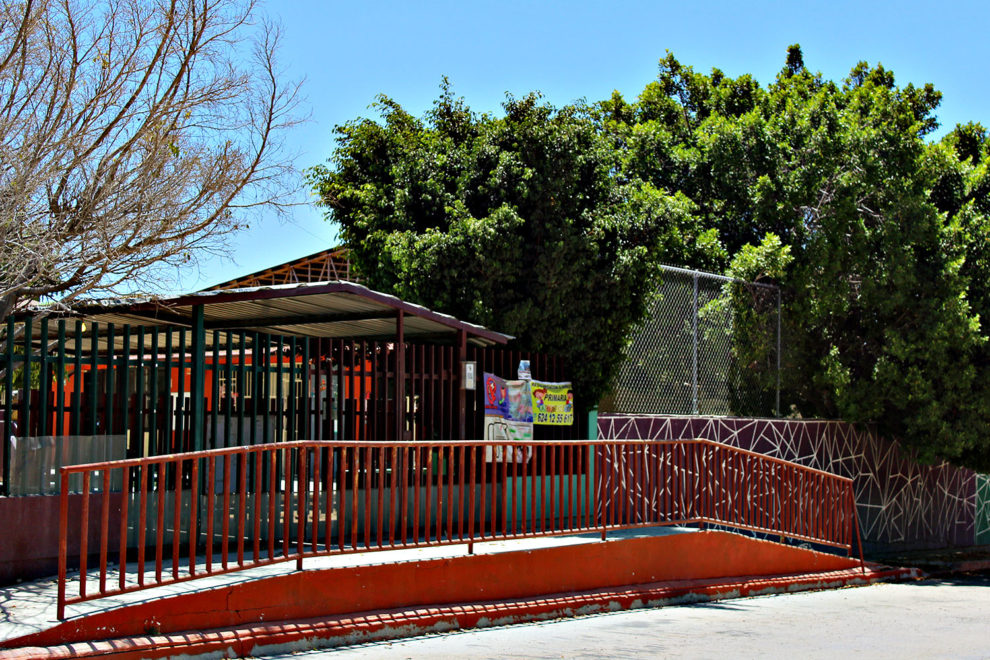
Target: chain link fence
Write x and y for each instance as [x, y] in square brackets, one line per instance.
[710, 346]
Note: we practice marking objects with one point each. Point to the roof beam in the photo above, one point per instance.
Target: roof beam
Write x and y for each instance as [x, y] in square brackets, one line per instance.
[298, 319]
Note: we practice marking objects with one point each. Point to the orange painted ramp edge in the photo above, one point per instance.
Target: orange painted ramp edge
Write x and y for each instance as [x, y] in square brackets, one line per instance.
[703, 555]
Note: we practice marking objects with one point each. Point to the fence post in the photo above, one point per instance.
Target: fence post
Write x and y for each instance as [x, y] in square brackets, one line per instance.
[400, 376]
[694, 332]
[461, 392]
[777, 406]
[196, 387]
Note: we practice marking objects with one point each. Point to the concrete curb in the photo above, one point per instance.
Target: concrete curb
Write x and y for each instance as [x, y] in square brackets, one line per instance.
[327, 632]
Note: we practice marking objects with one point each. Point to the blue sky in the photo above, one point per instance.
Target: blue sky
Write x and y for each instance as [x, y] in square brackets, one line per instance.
[349, 52]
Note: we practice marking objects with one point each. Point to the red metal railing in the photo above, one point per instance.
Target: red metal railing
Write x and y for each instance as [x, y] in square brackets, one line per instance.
[206, 513]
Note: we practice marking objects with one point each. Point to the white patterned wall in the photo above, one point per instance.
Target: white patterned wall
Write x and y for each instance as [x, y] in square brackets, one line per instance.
[901, 503]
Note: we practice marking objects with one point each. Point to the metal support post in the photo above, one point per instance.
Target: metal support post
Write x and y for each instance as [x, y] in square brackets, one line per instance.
[197, 386]
[694, 330]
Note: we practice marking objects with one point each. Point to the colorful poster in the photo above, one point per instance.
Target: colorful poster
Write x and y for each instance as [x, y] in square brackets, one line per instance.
[508, 417]
[508, 399]
[553, 403]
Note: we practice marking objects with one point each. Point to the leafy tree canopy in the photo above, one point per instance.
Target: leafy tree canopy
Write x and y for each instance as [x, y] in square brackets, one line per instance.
[521, 222]
[549, 224]
[878, 236]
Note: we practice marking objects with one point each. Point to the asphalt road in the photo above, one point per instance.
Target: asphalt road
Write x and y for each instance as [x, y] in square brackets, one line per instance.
[930, 619]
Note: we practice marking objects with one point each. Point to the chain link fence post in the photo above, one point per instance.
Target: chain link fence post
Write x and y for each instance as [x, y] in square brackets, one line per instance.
[689, 359]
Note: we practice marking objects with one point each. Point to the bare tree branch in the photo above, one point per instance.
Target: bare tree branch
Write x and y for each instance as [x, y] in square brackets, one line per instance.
[133, 134]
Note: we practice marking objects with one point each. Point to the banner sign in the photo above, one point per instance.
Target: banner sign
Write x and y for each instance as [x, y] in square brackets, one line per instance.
[508, 417]
[553, 403]
[508, 399]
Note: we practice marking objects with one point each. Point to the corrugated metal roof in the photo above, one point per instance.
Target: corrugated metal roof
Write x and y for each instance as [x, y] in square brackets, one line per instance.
[312, 309]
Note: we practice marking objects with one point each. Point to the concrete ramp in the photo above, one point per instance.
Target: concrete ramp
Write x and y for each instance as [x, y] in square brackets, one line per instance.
[346, 604]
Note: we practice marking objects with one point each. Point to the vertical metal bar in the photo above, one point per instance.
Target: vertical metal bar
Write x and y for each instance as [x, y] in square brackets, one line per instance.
[471, 477]
[232, 390]
[361, 424]
[153, 369]
[108, 399]
[216, 399]
[428, 504]
[84, 535]
[504, 483]
[305, 427]
[142, 522]
[341, 495]
[122, 553]
[44, 384]
[286, 501]
[93, 357]
[469, 495]
[141, 409]
[242, 469]
[779, 346]
[63, 526]
[60, 391]
[211, 472]
[197, 379]
[395, 516]
[265, 392]
[125, 393]
[160, 523]
[301, 508]
[243, 391]
[279, 391]
[168, 446]
[317, 459]
[694, 358]
[272, 517]
[176, 517]
[544, 475]
[25, 425]
[381, 492]
[483, 517]
[416, 479]
[182, 427]
[293, 427]
[225, 509]
[603, 498]
[368, 466]
[400, 379]
[256, 505]
[355, 475]
[193, 501]
[450, 490]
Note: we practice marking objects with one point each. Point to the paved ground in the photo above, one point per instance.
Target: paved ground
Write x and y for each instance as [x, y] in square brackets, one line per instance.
[931, 619]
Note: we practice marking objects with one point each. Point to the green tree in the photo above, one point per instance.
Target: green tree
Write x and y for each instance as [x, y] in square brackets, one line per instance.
[882, 235]
[522, 222]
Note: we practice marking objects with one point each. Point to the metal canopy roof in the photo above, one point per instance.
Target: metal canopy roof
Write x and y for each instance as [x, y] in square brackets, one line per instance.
[319, 309]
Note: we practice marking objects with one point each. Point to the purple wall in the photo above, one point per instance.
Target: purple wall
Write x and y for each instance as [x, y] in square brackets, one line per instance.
[902, 504]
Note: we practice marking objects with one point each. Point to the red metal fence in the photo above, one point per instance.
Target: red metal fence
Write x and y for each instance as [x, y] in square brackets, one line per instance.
[136, 384]
[217, 511]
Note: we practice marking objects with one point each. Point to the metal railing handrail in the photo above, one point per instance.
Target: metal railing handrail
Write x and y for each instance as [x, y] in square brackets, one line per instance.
[313, 498]
[222, 451]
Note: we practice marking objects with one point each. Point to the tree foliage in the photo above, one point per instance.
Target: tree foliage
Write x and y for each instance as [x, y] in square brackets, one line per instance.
[549, 224]
[881, 233]
[519, 222]
[132, 132]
